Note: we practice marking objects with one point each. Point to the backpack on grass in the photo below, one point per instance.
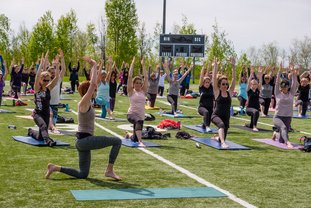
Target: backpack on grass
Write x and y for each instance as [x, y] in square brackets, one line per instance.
[306, 144]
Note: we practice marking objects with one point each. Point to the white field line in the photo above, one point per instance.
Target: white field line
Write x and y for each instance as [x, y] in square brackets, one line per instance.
[182, 170]
[242, 119]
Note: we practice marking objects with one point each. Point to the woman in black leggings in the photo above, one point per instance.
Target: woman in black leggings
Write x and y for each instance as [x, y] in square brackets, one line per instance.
[86, 141]
[206, 103]
[253, 91]
[222, 93]
[43, 86]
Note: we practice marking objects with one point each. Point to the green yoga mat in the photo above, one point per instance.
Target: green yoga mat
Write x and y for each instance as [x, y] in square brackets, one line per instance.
[148, 193]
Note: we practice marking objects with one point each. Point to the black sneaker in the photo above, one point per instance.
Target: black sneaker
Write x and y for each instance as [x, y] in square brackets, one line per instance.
[50, 142]
[29, 132]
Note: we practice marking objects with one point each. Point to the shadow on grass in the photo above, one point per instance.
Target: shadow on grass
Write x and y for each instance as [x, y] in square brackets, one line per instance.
[112, 183]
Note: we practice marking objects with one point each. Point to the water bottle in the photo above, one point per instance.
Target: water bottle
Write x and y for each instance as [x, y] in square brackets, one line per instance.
[13, 102]
[160, 111]
[67, 108]
[11, 126]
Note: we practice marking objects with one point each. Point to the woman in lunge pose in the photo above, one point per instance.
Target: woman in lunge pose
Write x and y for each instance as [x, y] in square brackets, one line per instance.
[222, 93]
[86, 141]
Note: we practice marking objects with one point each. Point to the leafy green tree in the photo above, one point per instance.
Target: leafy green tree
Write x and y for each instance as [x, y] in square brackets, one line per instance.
[42, 37]
[65, 33]
[4, 35]
[92, 40]
[300, 52]
[270, 53]
[122, 22]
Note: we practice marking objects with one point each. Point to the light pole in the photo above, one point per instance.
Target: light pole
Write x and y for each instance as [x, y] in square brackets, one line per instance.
[163, 23]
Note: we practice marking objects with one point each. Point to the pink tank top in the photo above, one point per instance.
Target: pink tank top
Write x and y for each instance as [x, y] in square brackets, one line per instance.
[137, 104]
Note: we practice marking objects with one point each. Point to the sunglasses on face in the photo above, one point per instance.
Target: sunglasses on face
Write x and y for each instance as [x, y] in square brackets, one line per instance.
[225, 84]
[46, 80]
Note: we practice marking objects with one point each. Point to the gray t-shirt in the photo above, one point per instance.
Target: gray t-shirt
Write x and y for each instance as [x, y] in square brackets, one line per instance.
[266, 91]
[174, 87]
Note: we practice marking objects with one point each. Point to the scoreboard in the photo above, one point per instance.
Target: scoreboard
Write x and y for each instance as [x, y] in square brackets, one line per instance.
[182, 45]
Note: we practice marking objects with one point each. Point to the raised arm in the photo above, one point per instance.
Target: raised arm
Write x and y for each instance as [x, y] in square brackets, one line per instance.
[214, 77]
[202, 75]
[110, 67]
[62, 64]
[295, 84]
[40, 70]
[69, 67]
[78, 66]
[232, 86]
[259, 78]
[130, 78]
[85, 103]
[251, 76]
[55, 64]
[277, 81]
[145, 85]
[99, 72]
[185, 74]
[167, 71]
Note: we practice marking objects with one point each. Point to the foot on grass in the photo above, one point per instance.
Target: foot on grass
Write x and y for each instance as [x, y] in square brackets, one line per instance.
[111, 174]
[51, 169]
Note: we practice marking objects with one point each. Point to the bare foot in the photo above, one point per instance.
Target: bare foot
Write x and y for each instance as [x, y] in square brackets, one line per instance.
[141, 144]
[111, 174]
[273, 136]
[224, 145]
[289, 145]
[55, 131]
[215, 137]
[51, 169]
[255, 129]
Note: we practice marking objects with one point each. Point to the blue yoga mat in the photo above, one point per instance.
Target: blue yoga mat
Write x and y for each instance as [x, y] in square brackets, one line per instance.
[200, 129]
[215, 144]
[130, 143]
[301, 117]
[176, 116]
[148, 193]
[6, 111]
[251, 130]
[32, 141]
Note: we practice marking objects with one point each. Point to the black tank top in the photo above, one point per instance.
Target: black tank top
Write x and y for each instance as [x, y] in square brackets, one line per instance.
[42, 102]
[253, 99]
[222, 105]
[207, 97]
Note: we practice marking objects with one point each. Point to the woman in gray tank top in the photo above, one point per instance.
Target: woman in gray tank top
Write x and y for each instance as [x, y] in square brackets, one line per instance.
[86, 141]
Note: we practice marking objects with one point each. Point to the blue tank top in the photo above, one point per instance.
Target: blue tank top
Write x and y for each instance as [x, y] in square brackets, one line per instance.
[103, 91]
[242, 92]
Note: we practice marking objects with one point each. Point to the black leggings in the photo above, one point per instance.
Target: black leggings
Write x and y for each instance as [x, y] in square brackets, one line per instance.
[137, 125]
[42, 122]
[304, 106]
[112, 103]
[221, 123]
[265, 102]
[172, 99]
[84, 147]
[73, 85]
[160, 90]
[283, 126]
[254, 114]
[152, 98]
[242, 101]
[207, 114]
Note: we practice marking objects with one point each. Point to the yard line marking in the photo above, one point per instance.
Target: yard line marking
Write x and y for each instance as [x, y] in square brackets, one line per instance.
[182, 170]
[242, 119]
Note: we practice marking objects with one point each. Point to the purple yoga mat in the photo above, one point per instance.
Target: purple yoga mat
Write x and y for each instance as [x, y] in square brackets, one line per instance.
[277, 144]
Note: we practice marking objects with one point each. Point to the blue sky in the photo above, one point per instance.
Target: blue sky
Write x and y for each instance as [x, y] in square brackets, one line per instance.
[248, 23]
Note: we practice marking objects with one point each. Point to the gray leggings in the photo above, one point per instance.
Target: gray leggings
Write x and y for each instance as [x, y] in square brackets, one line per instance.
[283, 125]
[84, 147]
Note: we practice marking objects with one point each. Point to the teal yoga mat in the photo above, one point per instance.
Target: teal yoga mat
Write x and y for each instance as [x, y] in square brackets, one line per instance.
[148, 193]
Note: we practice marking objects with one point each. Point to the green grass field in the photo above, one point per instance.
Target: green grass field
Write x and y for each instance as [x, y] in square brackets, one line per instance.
[264, 176]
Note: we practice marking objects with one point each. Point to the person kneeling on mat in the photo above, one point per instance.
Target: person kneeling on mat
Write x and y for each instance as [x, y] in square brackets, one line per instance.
[284, 94]
[43, 86]
[222, 93]
[86, 141]
[137, 88]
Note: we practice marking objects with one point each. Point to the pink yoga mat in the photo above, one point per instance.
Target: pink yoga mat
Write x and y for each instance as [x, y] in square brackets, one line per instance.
[277, 144]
